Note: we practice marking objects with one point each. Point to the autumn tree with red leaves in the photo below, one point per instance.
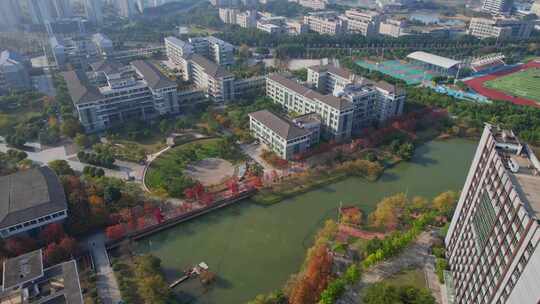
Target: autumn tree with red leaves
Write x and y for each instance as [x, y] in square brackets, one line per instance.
[69, 246]
[20, 245]
[115, 232]
[52, 233]
[315, 278]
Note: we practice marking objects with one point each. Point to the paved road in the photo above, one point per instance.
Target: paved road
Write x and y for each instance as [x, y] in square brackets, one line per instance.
[415, 256]
[106, 283]
[254, 151]
[42, 157]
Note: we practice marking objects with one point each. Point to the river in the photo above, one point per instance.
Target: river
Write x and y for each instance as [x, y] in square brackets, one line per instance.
[254, 249]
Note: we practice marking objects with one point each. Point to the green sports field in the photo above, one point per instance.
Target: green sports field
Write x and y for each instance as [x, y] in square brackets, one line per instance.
[524, 84]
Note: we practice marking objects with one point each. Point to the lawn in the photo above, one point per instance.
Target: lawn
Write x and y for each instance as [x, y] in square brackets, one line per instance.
[411, 277]
[167, 172]
[524, 84]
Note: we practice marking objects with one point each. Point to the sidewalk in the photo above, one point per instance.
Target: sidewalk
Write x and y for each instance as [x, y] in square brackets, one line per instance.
[107, 286]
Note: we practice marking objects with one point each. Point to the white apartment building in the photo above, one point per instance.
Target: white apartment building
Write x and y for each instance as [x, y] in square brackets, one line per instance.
[269, 27]
[228, 15]
[325, 23]
[296, 27]
[497, 6]
[336, 113]
[217, 82]
[247, 19]
[113, 94]
[279, 134]
[392, 27]
[492, 244]
[201, 61]
[215, 49]
[313, 4]
[500, 28]
[176, 49]
[374, 102]
[363, 22]
[210, 47]
[329, 79]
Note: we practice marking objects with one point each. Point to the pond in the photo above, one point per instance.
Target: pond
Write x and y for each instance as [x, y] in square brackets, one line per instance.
[254, 249]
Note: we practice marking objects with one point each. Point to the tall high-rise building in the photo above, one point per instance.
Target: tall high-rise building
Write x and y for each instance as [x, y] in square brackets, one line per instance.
[10, 13]
[61, 8]
[497, 6]
[93, 10]
[126, 8]
[492, 243]
[40, 11]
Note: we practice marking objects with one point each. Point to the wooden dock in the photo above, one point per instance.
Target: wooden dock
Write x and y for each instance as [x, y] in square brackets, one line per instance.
[192, 273]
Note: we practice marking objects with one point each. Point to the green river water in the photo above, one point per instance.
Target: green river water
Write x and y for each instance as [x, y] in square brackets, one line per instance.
[254, 249]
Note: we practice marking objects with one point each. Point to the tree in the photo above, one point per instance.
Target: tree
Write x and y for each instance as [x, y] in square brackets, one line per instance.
[68, 245]
[111, 194]
[115, 232]
[53, 254]
[61, 167]
[70, 127]
[389, 211]
[20, 245]
[315, 278]
[153, 289]
[81, 140]
[52, 233]
[445, 202]
[243, 51]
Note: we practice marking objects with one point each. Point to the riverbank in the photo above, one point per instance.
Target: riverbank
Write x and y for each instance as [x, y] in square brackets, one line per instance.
[273, 238]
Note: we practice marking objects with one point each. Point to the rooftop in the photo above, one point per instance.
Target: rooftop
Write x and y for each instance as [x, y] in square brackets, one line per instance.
[334, 102]
[153, 76]
[79, 89]
[522, 167]
[211, 68]
[280, 125]
[177, 42]
[341, 72]
[106, 66]
[433, 59]
[29, 194]
[22, 269]
[25, 281]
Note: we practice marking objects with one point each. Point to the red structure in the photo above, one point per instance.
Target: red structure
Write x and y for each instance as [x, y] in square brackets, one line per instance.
[477, 84]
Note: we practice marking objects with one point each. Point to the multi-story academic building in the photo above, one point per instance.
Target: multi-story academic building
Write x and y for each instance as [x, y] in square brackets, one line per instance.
[497, 6]
[336, 113]
[492, 244]
[500, 28]
[198, 62]
[374, 102]
[281, 135]
[325, 23]
[114, 94]
[363, 22]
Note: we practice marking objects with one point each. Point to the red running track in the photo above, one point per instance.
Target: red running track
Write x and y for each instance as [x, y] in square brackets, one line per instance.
[477, 84]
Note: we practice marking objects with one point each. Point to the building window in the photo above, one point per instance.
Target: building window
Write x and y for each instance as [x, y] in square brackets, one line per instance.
[483, 220]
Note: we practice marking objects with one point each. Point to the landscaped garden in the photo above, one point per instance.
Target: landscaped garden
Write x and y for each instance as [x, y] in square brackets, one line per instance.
[167, 174]
[524, 84]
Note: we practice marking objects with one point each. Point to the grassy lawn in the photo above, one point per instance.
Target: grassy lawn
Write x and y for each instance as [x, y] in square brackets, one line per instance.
[524, 84]
[166, 173]
[412, 277]
[151, 143]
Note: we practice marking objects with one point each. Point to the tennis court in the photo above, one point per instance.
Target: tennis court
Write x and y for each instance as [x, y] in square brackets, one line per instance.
[408, 72]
